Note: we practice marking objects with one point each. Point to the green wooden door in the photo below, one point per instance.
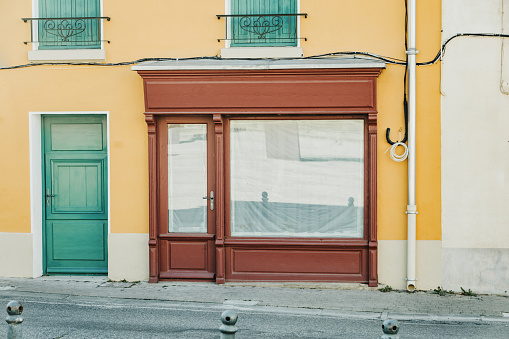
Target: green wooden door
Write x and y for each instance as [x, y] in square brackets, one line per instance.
[70, 29]
[261, 26]
[75, 196]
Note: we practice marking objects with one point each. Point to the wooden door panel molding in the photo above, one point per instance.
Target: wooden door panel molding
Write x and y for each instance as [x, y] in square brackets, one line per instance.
[70, 246]
[81, 179]
[182, 255]
[295, 261]
[221, 95]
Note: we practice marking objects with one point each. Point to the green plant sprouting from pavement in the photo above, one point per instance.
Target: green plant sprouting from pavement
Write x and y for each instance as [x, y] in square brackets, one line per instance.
[468, 293]
[386, 288]
[441, 291]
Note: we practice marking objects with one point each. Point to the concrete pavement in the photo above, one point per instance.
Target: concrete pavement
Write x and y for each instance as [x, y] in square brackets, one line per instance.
[343, 300]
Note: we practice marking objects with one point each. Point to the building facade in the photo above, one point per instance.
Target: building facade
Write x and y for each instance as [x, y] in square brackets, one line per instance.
[217, 140]
[475, 99]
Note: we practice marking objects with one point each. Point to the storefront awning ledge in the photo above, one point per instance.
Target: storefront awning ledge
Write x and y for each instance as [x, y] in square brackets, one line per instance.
[265, 64]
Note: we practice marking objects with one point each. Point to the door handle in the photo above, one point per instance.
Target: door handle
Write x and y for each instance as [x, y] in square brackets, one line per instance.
[211, 198]
[49, 196]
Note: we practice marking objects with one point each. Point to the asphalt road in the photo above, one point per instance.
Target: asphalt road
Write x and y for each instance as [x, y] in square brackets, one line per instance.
[69, 317]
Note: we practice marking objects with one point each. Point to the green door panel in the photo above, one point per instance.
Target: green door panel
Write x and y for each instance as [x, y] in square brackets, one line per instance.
[76, 240]
[75, 194]
[264, 30]
[77, 137]
[67, 32]
[76, 186]
[75, 133]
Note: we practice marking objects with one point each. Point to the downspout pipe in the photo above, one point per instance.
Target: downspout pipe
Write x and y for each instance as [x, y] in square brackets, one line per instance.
[411, 207]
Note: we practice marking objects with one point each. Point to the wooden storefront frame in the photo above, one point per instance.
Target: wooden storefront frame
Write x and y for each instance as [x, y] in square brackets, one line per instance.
[222, 94]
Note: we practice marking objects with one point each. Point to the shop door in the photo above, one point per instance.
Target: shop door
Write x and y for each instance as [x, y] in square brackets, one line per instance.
[187, 199]
[75, 196]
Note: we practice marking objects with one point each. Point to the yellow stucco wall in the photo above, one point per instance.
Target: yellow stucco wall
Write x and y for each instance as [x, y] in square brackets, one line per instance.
[188, 29]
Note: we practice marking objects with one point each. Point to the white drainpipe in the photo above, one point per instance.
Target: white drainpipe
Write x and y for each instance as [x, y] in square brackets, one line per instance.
[411, 207]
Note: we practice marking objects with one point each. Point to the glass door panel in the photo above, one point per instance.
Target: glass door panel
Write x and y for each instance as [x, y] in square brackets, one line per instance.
[297, 178]
[187, 178]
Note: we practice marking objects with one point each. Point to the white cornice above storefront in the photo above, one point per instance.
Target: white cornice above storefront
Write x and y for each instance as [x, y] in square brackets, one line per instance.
[265, 64]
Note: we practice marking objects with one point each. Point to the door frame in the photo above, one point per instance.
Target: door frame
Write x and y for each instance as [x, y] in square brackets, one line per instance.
[37, 184]
[188, 243]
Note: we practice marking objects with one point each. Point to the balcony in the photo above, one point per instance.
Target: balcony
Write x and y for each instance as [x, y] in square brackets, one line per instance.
[250, 30]
[66, 32]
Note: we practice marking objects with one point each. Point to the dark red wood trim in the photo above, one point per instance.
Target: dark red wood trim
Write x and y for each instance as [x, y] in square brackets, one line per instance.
[153, 208]
[219, 153]
[273, 263]
[262, 111]
[373, 245]
[187, 236]
[187, 275]
[260, 94]
[260, 73]
[294, 242]
[254, 89]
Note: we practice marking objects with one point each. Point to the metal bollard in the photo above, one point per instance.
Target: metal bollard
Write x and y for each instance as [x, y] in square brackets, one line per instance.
[390, 328]
[14, 319]
[228, 328]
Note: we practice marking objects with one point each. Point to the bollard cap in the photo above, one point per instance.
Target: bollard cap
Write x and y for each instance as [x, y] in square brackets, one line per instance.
[229, 317]
[14, 307]
[390, 326]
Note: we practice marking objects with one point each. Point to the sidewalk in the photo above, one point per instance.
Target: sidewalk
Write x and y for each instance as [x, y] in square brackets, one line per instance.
[344, 300]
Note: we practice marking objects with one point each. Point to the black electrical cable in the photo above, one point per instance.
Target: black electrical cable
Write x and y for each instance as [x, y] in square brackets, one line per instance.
[387, 59]
[124, 63]
[441, 53]
[405, 101]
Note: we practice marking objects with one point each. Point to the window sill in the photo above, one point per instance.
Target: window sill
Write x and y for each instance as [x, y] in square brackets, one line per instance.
[67, 55]
[261, 52]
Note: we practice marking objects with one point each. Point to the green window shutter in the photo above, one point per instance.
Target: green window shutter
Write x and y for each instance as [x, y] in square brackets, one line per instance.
[69, 32]
[262, 30]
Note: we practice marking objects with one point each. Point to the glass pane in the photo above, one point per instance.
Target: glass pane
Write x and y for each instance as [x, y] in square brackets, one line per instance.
[297, 178]
[187, 178]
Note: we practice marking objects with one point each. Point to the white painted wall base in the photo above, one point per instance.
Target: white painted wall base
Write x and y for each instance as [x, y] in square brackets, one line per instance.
[483, 270]
[392, 263]
[16, 259]
[128, 256]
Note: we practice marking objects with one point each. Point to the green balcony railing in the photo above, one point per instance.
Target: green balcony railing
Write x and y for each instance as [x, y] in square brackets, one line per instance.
[262, 29]
[67, 32]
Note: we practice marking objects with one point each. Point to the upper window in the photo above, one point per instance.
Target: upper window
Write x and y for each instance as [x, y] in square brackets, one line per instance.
[264, 23]
[69, 24]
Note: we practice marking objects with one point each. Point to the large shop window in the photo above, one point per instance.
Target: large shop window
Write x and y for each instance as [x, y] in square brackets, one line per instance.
[297, 178]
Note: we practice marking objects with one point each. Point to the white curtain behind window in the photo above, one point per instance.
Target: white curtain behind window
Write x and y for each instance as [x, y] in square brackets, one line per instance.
[301, 178]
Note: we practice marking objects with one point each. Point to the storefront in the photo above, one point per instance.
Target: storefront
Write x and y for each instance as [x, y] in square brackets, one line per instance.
[262, 170]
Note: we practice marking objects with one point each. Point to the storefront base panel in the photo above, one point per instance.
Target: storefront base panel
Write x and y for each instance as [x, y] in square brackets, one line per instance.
[17, 255]
[392, 260]
[296, 264]
[128, 256]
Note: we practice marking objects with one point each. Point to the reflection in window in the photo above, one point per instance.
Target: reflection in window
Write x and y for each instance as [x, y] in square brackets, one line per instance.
[302, 178]
[187, 177]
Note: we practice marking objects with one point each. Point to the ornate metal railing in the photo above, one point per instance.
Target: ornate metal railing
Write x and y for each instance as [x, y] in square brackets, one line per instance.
[68, 32]
[262, 29]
